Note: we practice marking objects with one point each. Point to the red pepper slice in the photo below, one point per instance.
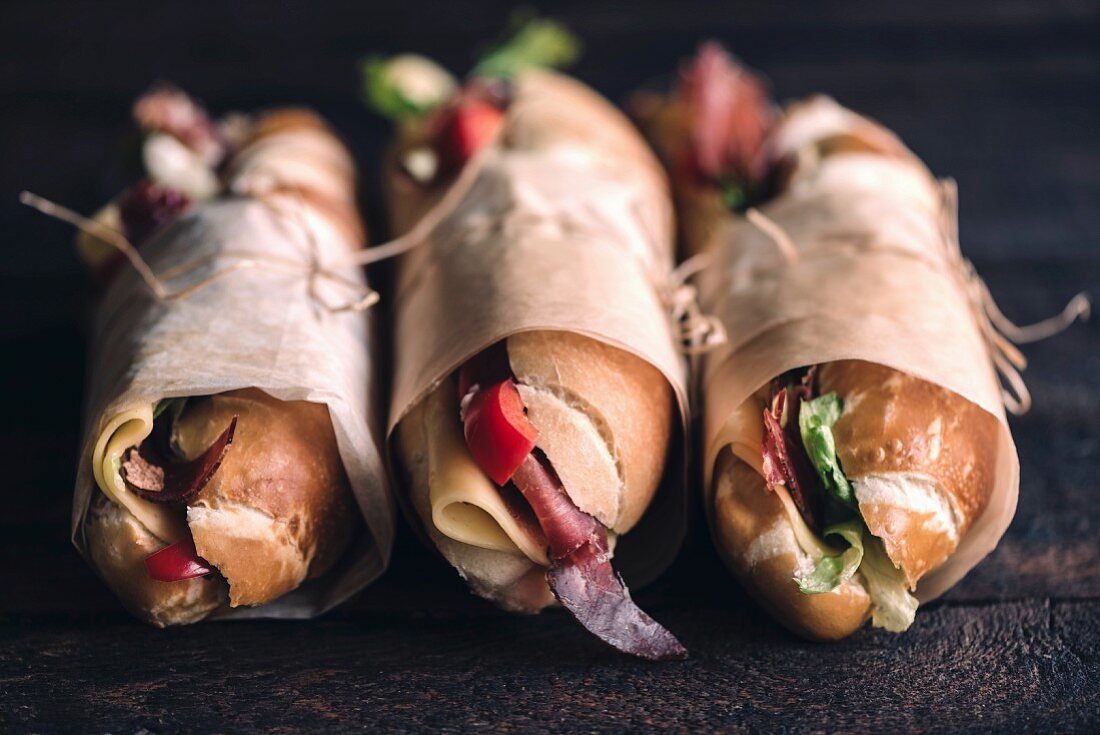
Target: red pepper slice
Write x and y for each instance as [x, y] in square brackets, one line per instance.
[501, 440]
[466, 128]
[177, 562]
[497, 430]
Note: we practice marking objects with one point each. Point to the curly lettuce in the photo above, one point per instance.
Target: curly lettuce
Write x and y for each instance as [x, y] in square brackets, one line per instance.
[833, 571]
[532, 43]
[404, 87]
[893, 606]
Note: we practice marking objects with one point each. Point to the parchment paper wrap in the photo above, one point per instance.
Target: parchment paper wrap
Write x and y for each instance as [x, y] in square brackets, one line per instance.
[557, 232]
[879, 278]
[257, 327]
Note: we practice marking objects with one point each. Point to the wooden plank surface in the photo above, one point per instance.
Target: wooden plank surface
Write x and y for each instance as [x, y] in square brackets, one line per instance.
[1022, 666]
[1000, 95]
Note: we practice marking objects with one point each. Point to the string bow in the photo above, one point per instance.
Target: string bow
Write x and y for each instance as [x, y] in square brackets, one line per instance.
[1002, 336]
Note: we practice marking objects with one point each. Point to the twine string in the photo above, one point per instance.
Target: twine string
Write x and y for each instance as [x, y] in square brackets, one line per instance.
[312, 269]
[776, 234]
[432, 219]
[106, 234]
[1000, 334]
[698, 332]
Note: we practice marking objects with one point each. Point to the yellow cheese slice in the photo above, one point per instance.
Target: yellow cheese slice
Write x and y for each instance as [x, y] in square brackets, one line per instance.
[466, 505]
[805, 536]
[743, 433]
[125, 430]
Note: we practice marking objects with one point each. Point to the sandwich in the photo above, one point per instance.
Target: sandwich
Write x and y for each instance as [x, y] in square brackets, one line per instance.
[215, 473]
[857, 460]
[538, 391]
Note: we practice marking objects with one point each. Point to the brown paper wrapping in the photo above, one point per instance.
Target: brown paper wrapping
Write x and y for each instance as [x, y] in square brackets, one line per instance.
[567, 225]
[878, 278]
[259, 327]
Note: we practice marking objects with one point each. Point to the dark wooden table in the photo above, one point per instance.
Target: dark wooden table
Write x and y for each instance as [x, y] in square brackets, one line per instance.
[1001, 95]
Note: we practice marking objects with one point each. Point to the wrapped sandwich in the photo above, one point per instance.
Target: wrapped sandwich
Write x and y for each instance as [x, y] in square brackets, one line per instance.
[229, 460]
[857, 459]
[538, 395]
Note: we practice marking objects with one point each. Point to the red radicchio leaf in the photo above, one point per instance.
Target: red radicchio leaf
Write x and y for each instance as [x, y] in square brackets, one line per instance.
[730, 115]
[580, 573]
[146, 207]
[785, 459]
[149, 473]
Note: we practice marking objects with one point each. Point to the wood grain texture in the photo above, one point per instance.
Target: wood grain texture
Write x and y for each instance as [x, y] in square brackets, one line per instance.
[1025, 667]
[1001, 95]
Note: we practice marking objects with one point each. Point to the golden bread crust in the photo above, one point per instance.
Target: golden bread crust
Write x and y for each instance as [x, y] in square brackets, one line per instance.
[753, 535]
[626, 398]
[118, 545]
[284, 484]
[894, 424]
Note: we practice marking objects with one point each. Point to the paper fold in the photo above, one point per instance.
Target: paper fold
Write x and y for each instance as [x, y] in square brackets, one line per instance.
[256, 327]
[557, 232]
[878, 278]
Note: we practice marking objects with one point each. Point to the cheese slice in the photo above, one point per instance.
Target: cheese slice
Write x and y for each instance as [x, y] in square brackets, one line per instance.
[125, 430]
[466, 505]
[807, 539]
[743, 433]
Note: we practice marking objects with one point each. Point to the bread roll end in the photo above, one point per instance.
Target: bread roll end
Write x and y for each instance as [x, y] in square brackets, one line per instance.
[756, 540]
[279, 510]
[920, 458]
[118, 545]
[604, 417]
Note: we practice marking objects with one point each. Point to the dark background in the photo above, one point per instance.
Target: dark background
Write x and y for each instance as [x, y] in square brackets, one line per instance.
[1002, 95]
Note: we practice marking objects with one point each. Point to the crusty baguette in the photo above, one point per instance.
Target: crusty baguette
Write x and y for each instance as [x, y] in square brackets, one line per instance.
[919, 458]
[593, 403]
[278, 511]
[604, 415]
[604, 420]
[754, 535]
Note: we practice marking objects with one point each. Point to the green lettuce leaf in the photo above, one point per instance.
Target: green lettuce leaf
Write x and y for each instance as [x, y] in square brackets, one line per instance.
[165, 404]
[815, 422]
[534, 42]
[382, 91]
[892, 608]
[734, 195]
[833, 571]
